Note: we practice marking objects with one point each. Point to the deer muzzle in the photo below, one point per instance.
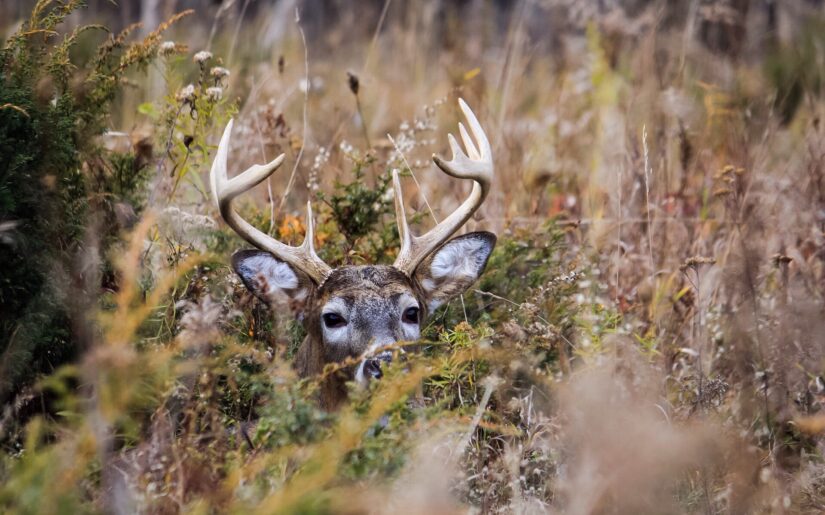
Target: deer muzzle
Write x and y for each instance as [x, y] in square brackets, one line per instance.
[370, 368]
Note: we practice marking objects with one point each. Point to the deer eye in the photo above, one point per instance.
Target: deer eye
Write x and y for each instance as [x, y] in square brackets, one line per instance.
[333, 320]
[410, 315]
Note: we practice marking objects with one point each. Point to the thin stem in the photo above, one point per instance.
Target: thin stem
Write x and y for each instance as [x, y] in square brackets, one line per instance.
[375, 36]
[648, 173]
[418, 185]
[363, 121]
[291, 181]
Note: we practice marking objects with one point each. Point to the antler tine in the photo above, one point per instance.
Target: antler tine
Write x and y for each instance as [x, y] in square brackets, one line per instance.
[476, 164]
[225, 190]
[401, 219]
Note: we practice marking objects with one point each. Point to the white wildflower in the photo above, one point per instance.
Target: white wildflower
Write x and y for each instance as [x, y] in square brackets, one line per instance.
[320, 160]
[313, 84]
[167, 48]
[389, 194]
[186, 94]
[202, 56]
[214, 93]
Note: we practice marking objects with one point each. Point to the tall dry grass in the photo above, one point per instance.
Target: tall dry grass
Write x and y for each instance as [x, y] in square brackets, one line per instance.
[648, 338]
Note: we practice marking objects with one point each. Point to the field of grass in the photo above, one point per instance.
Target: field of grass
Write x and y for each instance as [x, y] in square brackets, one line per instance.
[649, 334]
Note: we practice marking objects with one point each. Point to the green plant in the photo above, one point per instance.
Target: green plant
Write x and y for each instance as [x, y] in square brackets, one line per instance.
[357, 210]
[53, 177]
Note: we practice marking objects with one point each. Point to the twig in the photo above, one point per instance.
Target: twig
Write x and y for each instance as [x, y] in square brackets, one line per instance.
[514, 43]
[648, 173]
[306, 108]
[516, 304]
[418, 185]
[619, 235]
[490, 384]
[16, 108]
[269, 198]
[237, 31]
[166, 153]
[378, 27]
[687, 37]
[363, 120]
[225, 5]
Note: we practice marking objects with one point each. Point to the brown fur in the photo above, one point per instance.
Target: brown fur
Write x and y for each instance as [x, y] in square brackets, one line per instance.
[374, 297]
[354, 283]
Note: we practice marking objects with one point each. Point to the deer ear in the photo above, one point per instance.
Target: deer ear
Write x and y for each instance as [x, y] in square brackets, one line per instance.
[271, 280]
[451, 269]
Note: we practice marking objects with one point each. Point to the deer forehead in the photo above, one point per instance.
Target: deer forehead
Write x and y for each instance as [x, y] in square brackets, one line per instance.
[365, 282]
[371, 298]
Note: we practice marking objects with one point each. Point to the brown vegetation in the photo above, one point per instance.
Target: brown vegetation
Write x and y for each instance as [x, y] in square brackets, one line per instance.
[648, 336]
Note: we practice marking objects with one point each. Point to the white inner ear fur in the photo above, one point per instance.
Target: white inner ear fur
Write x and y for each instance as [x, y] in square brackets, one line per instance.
[275, 279]
[434, 304]
[459, 260]
[454, 267]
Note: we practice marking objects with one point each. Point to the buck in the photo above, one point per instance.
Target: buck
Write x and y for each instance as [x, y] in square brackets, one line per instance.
[352, 311]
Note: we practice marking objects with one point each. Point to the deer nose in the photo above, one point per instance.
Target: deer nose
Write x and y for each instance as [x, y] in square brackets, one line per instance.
[372, 366]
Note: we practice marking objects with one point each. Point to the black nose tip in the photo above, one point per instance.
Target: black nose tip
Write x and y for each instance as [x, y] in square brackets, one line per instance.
[372, 368]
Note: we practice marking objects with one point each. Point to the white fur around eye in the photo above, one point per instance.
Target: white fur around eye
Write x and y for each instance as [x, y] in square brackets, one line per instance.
[411, 331]
[336, 335]
[406, 302]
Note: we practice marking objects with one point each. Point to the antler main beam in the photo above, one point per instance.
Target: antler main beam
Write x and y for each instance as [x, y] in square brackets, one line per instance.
[475, 164]
[225, 190]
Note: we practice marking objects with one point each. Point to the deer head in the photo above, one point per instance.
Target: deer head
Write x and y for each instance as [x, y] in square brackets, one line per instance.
[357, 311]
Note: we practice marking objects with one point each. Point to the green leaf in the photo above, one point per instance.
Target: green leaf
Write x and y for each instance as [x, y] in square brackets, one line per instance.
[148, 109]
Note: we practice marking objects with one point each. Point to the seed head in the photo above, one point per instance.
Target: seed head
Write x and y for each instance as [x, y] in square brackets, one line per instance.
[219, 72]
[695, 262]
[781, 259]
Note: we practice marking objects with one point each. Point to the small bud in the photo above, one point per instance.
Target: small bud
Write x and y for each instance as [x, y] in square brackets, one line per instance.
[353, 82]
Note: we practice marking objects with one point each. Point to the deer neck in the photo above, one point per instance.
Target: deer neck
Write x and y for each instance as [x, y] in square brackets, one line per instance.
[309, 361]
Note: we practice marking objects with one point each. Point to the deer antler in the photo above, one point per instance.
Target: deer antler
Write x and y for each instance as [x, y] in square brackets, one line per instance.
[225, 190]
[476, 164]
